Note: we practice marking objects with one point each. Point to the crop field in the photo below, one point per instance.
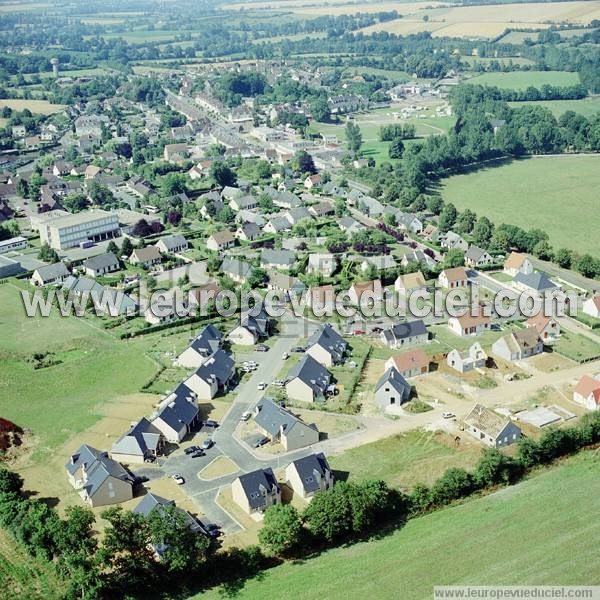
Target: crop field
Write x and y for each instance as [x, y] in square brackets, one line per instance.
[521, 80]
[42, 107]
[539, 192]
[516, 60]
[332, 8]
[539, 510]
[586, 106]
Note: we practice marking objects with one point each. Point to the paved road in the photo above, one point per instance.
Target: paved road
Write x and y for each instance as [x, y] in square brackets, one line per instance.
[567, 275]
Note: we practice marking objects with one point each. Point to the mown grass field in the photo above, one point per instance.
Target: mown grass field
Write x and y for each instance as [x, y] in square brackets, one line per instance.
[586, 106]
[520, 80]
[558, 194]
[42, 107]
[501, 539]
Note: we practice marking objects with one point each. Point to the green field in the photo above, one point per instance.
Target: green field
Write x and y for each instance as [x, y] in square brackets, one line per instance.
[586, 106]
[576, 347]
[501, 539]
[558, 194]
[59, 401]
[521, 80]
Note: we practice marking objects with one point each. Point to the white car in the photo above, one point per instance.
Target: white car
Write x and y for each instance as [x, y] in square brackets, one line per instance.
[246, 416]
[178, 479]
[262, 386]
[448, 415]
[285, 356]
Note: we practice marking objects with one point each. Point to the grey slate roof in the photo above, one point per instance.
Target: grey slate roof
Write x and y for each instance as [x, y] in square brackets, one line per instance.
[327, 337]
[275, 419]
[251, 230]
[256, 483]
[311, 469]
[277, 257]
[312, 373]
[256, 321]
[207, 342]
[103, 261]
[85, 456]
[51, 272]
[405, 330]
[142, 438]
[220, 366]
[394, 379]
[151, 502]
[179, 411]
[173, 241]
[239, 268]
[536, 280]
[474, 253]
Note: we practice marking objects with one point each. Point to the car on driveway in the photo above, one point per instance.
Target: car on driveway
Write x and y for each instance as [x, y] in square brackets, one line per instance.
[285, 356]
[448, 415]
[261, 442]
[246, 415]
[262, 386]
[278, 383]
[178, 478]
[207, 444]
[198, 453]
[298, 349]
[191, 449]
[212, 530]
[262, 348]
[211, 423]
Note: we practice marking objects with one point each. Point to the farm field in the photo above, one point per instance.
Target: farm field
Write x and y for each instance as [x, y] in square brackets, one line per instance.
[521, 80]
[586, 106]
[539, 509]
[516, 60]
[42, 107]
[99, 370]
[538, 192]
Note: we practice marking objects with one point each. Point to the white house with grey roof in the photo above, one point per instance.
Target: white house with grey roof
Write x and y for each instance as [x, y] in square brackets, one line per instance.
[307, 380]
[280, 425]
[50, 274]
[409, 333]
[172, 244]
[254, 326]
[101, 265]
[204, 345]
[326, 346]
[309, 475]
[254, 492]
[214, 375]
[235, 269]
[490, 428]
[323, 263]
[477, 257]
[177, 414]
[142, 441]
[536, 282]
[100, 479]
[392, 389]
[277, 259]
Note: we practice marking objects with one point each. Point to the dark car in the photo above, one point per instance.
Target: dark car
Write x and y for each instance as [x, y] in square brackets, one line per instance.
[192, 449]
[211, 423]
[207, 444]
[213, 530]
[261, 442]
[150, 459]
[198, 454]
[139, 479]
[262, 348]
[298, 349]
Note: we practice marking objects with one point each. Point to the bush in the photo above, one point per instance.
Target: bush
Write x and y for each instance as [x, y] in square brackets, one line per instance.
[455, 483]
[282, 529]
[494, 468]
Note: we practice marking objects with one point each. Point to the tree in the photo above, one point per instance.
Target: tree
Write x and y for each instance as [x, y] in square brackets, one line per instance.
[353, 137]
[320, 110]
[126, 248]
[447, 217]
[99, 194]
[221, 174]
[563, 258]
[172, 184]
[453, 484]
[434, 204]
[257, 278]
[466, 221]
[303, 162]
[500, 242]
[588, 266]
[454, 258]
[10, 482]
[396, 148]
[75, 202]
[215, 150]
[282, 529]
[22, 188]
[48, 254]
[483, 231]
[494, 468]
[329, 515]
[543, 250]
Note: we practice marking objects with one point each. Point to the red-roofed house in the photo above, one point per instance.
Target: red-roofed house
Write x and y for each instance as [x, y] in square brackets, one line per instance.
[547, 327]
[587, 392]
[409, 364]
[591, 307]
[453, 278]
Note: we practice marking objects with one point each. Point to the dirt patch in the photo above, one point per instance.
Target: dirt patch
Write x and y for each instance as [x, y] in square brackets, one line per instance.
[549, 362]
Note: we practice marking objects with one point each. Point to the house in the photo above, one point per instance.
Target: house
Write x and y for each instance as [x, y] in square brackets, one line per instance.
[382, 262]
[307, 380]
[280, 425]
[277, 259]
[106, 299]
[235, 269]
[252, 328]
[350, 225]
[453, 241]
[587, 392]
[286, 200]
[518, 345]
[148, 256]
[419, 257]
[477, 257]
[172, 244]
[325, 264]
[143, 441]
[312, 181]
[410, 283]
[248, 232]
[409, 222]
[139, 186]
[392, 389]
[277, 224]
[409, 364]
[101, 265]
[321, 209]
[591, 306]
[204, 345]
[49, 274]
[321, 297]
[175, 152]
[91, 172]
[326, 346]
[177, 414]
[453, 278]
[254, 492]
[167, 306]
[405, 334]
[491, 428]
[61, 168]
[215, 374]
[472, 358]
[473, 322]
[220, 240]
[100, 479]
[535, 282]
[365, 292]
[548, 328]
[245, 202]
[295, 215]
[369, 206]
[517, 263]
[13, 244]
[309, 475]
[430, 233]
[291, 286]
[230, 192]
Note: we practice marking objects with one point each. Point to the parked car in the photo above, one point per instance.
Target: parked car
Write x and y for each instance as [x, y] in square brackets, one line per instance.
[262, 386]
[262, 348]
[213, 530]
[211, 423]
[448, 415]
[278, 383]
[246, 415]
[198, 453]
[261, 442]
[178, 479]
[207, 444]
[191, 449]
[285, 356]
[150, 459]
[298, 349]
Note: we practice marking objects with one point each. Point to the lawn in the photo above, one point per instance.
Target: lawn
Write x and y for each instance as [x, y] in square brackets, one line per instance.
[586, 106]
[448, 340]
[501, 539]
[576, 347]
[542, 192]
[58, 401]
[404, 460]
[42, 107]
[521, 80]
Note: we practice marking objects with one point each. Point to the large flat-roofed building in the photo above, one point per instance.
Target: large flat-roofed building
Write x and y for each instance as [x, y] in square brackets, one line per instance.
[69, 231]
